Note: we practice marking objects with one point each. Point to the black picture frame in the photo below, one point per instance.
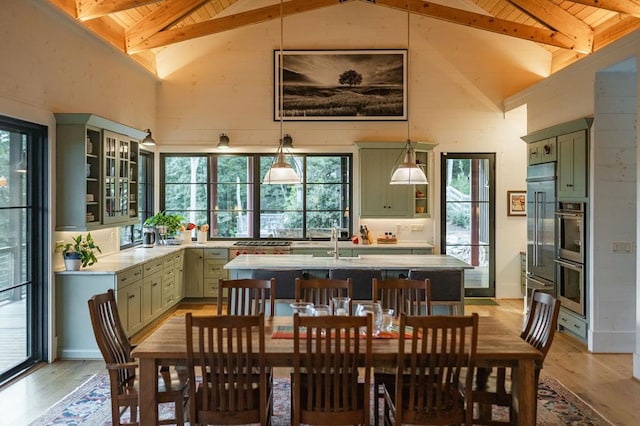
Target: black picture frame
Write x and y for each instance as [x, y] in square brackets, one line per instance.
[341, 85]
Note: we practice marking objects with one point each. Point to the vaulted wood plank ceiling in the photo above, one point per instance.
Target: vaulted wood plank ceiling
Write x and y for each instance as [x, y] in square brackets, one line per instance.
[570, 30]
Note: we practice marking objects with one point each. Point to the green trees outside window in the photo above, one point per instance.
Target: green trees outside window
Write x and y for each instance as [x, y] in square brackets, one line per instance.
[226, 192]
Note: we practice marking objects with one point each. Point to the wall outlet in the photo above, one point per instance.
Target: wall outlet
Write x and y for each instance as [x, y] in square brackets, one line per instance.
[417, 227]
[621, 247]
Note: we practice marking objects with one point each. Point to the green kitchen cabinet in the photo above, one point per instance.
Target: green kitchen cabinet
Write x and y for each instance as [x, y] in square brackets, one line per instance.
[572, 166]
[90, 195]
[152, 289]
[543, 151]
[213, 268]
[129, 298]
[379, 199]
[178, 265]
[203, 269]
[193, 275]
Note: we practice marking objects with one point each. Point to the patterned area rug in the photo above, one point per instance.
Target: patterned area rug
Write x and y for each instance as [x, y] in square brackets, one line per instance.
[89, 405]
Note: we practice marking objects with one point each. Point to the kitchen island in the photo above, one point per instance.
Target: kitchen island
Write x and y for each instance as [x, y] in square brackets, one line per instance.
[446, 272]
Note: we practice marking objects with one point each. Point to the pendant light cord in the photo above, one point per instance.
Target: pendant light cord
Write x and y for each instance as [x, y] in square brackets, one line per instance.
[408, 68]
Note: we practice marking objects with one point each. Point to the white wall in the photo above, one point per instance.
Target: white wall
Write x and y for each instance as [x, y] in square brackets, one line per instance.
[458, 79]
[613, 212]
[571, 94]
[50, 65]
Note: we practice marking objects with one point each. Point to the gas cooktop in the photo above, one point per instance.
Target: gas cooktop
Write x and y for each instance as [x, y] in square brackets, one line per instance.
[262, 243]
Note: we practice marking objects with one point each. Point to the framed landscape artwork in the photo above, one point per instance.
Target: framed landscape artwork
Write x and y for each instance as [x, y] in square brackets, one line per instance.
[341, 85]
[516, 203]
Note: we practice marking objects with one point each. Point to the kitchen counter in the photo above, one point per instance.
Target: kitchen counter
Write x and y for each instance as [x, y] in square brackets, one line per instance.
[384, 262]
[117, 262]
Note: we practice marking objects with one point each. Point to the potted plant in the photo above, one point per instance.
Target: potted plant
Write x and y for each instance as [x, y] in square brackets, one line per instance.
[79, 252]
[165, 224]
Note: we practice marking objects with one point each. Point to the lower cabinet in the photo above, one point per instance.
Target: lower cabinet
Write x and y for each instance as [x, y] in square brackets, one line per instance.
[214, 261]
[193, 276]
[572, 323]
[203, 269]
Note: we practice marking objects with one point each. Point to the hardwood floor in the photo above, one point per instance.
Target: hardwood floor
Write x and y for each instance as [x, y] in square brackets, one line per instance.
[602, 380]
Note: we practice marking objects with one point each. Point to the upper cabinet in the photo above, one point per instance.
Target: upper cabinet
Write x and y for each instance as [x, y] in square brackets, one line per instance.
[572, 166]
[568, 144]
[96, 172]
[378, 199]
[543, 151]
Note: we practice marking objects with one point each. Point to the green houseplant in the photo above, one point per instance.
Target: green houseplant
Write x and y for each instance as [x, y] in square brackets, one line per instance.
[171, 222]
[79, 252]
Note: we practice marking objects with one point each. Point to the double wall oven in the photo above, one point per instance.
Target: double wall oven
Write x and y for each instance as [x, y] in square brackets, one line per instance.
[570, 257]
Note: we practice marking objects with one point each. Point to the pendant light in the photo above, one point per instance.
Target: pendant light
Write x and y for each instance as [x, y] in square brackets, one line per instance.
[409, 172]
[281, 172]
[148, 140]
[223, 142]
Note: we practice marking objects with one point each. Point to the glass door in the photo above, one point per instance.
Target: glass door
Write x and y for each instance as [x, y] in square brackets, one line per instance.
[467, 226]
[23, 242]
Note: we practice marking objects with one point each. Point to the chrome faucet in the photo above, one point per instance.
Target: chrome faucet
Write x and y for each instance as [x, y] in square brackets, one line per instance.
[334, 238]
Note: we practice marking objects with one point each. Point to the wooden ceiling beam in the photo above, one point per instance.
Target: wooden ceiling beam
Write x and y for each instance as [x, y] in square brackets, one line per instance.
[163, 17]
[614, 29]
[92, 9]
[555, 17]
[227, 23]
[628, 7]
[482, 22]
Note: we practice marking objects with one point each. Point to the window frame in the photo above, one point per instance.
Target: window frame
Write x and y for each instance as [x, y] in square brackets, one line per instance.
[254, 170]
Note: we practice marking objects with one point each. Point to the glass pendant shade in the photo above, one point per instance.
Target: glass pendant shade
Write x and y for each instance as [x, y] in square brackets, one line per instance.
[409, 172]
[281, 173]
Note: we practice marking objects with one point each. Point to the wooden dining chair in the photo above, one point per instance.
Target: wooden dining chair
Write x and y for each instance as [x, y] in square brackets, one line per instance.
[428, 390]
[320, 291]
[116, 350]
[234, 388]
[246, 297]
[404, 296]
[539, 329]
[328, 351]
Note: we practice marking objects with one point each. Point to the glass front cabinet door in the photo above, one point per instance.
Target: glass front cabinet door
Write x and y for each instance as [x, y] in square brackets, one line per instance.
[120, 158]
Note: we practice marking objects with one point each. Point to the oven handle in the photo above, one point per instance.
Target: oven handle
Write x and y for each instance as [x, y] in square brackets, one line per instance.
[575, 266]
[569, 215]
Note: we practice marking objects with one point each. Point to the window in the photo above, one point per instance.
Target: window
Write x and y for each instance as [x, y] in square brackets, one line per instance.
[24, 246]
[226, 192]
[132, 234]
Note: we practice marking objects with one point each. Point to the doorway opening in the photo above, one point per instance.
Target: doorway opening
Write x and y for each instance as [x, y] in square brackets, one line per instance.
[24, 246]
[467, 211]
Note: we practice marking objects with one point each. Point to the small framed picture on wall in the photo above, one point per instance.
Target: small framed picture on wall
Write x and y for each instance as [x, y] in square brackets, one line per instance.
[516, 203]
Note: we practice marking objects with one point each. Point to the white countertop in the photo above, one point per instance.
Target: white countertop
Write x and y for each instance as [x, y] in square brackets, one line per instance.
[389, 262]
[117, 262]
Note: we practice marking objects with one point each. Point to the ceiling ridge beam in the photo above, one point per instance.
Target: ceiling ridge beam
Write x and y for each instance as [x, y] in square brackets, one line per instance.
[482, 22]
[628, 7]
[92, 9]
[227, 23]
[163, 17]
[548, 13]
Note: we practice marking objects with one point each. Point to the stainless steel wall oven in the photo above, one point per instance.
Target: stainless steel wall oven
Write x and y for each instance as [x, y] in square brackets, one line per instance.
[570, 236]
[571, 246]
[571, 285]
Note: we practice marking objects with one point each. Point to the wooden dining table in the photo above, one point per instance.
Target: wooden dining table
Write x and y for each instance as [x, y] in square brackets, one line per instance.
[498, 345]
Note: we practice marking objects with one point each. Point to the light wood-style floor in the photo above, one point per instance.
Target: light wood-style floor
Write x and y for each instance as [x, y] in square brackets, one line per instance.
[602, 380]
